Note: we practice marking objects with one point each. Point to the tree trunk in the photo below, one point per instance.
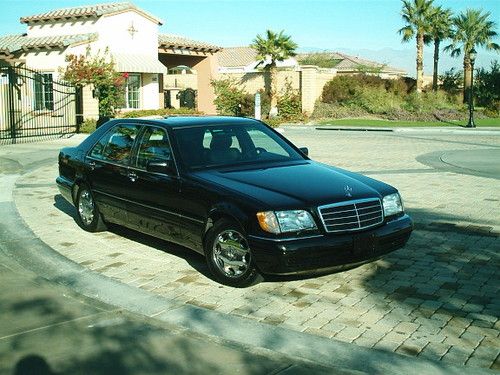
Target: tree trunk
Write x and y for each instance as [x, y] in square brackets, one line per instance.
[273, 91]
[436, 63]
[420, 61]
[467, 77]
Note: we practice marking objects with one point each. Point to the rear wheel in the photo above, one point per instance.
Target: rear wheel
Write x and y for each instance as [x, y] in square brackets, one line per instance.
[89, 216]
[229, 257]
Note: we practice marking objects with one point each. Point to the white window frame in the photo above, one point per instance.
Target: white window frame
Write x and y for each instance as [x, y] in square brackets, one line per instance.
[127, 92]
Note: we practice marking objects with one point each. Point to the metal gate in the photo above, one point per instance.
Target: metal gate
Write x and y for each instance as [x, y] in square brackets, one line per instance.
[33, 106]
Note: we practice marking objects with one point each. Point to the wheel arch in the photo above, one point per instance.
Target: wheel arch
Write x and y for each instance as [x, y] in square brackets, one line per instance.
[226, 211]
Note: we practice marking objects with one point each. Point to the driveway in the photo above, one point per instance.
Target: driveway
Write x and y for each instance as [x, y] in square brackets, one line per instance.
[437, 298]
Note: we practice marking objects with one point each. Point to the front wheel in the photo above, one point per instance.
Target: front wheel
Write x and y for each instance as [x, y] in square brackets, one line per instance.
[229, 257]
[89, 216]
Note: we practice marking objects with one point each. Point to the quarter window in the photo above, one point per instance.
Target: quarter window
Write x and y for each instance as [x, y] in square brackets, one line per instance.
[44, 92]
[116, 145]
[154, 147]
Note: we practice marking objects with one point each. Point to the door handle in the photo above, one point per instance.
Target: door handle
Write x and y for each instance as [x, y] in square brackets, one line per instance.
[132, 176]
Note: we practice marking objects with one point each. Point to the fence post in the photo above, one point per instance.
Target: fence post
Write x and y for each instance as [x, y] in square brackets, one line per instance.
[78, 107]
[12, 117]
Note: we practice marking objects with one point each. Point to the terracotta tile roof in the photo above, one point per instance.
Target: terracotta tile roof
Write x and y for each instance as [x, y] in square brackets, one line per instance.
[13, 43]
[237, 56]
[91, 11]
[176, 41]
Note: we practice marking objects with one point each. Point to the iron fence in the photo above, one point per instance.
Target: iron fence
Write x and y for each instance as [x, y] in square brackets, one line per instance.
[34, 106]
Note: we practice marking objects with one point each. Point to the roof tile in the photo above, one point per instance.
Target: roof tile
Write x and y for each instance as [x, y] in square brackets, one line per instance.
[96, 10]
[176, 41]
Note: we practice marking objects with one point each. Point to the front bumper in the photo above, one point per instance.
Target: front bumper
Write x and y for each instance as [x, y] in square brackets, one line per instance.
[329, 251]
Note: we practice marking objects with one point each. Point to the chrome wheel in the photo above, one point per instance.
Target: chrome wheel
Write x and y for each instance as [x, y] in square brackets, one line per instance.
[86, 207]
[231, 254]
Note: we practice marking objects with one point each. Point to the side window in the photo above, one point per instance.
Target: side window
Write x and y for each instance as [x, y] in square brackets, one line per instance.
[116, 145]
[154, 146]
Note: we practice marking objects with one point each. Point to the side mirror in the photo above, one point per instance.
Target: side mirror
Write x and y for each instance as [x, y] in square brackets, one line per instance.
[304, 150]
[164, 167]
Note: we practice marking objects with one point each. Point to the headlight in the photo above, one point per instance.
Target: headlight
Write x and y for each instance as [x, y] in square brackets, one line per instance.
[285, 221]
[392, 204]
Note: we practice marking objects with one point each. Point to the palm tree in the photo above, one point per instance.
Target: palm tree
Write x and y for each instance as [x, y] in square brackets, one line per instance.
[470, 29]
[439, 30]
[416, 14]
[270, 49]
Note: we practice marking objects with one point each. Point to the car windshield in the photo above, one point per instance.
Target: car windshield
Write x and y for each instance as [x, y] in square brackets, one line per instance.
[230, 145]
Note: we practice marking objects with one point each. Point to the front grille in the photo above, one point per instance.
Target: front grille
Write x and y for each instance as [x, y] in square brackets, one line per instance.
[351, 215]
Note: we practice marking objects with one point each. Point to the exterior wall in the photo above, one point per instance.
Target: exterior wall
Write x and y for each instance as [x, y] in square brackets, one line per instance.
[113, 32]
[67, 27]
[90, 104]
[149, 91]
[182, 81]
[206, 71]
[255, 81]
[309, 80]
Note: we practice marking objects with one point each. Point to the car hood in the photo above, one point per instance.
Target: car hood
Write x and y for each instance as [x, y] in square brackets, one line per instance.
[303, 184]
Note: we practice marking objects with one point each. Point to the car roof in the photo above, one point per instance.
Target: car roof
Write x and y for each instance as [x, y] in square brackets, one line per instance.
[188, 121]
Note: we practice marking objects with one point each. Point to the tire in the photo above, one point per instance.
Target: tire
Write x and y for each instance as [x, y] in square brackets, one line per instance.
[228, 256]
[89, 217]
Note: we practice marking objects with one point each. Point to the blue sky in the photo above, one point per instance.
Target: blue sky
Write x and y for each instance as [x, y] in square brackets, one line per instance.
[348, 25]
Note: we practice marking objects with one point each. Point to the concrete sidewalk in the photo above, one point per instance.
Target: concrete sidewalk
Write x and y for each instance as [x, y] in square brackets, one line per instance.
[48, 329]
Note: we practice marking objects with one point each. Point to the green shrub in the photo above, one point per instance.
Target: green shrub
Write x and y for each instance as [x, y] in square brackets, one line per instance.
[158, 112]
[229, 96]
[88, 126]
[289, 103]
[487, 89]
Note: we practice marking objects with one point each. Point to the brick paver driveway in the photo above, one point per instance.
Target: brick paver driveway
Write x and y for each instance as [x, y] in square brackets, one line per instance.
[437, 297]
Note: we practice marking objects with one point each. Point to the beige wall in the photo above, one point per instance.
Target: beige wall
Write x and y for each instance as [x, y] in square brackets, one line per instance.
[149, 91]
[182, 81]
[113, 32]
[309, 80]
[90, 104]
[254, 81]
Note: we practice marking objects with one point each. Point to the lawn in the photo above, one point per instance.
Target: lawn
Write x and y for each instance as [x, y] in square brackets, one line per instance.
[495, 122]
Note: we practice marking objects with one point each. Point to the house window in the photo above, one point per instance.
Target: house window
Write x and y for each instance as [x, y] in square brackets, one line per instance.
[132, 90]
[44, 92]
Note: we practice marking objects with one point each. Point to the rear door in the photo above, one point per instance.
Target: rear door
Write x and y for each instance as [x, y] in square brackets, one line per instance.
[108, 170]
[154, 193]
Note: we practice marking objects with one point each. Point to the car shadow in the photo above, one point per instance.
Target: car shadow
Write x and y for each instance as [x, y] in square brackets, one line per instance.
[194, 259]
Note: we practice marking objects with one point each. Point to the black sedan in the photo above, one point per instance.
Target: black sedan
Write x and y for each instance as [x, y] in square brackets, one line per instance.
[233, 190]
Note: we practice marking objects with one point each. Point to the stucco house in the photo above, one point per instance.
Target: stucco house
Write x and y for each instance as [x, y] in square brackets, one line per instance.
[132, 39]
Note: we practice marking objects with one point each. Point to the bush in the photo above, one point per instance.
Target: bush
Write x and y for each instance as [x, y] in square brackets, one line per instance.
[487, 89]
[158, 112]
[343, 88]
[229, 96]
[289, 103]
[88, 126]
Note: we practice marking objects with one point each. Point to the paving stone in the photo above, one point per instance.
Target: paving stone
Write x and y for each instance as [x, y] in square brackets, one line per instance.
[443, 281]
